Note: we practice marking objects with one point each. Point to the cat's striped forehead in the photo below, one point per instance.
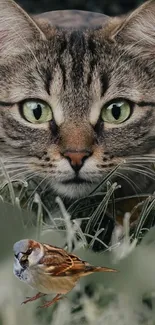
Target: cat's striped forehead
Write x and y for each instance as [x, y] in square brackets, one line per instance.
[76, 78]
[65, 71]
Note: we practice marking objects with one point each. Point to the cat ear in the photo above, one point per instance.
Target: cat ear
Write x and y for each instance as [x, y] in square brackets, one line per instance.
[17, 29]
[138, 27]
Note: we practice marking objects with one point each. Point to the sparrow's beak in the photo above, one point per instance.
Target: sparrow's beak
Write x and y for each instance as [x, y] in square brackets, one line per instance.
[18, 256]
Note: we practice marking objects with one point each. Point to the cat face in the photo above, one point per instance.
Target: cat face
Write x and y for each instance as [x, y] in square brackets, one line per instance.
[74, 104]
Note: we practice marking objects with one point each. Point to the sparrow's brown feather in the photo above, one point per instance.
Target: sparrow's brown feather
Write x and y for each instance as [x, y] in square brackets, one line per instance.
[58, 260]
[60, 263]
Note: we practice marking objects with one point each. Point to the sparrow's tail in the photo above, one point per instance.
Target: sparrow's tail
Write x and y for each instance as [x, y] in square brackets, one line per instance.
[92, 269]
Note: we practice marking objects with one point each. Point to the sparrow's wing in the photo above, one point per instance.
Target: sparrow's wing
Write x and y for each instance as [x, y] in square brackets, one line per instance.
[78, 264]
[57, 260]
[60, 263]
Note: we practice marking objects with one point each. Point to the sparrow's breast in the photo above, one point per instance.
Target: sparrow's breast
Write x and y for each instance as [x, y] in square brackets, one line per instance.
[46, 283]
[42, 281]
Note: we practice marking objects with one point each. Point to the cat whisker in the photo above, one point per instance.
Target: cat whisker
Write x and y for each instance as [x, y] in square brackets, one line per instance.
[129, 181]
[12, 170]
[141, 160]
[99, 213]
[11, 158]
[143, 167]
[140, 168]
[32, 175]
[140, 171]
[14, 161]
[46, 185]
[25, 174]
[15, 167]
[143, 156]
[38, 185]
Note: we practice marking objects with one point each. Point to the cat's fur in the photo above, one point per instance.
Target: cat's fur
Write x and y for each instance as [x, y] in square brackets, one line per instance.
[76, 71]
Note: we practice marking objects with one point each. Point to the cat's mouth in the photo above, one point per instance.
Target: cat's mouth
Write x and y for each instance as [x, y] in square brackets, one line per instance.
[76, 180]
[74, 187]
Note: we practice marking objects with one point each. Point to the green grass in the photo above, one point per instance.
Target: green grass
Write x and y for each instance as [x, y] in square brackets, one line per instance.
[82, 225]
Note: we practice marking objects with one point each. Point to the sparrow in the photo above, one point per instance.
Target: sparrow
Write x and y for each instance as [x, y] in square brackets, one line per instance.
[49, 269]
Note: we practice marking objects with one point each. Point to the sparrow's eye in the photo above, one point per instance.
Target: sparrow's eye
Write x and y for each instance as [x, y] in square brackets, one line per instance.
[29, 251]
[24, 261]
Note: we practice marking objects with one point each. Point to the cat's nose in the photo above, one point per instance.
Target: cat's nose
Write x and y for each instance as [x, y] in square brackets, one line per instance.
[77, 158]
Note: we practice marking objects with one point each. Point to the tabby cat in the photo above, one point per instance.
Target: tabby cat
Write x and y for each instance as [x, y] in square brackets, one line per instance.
[77, 95]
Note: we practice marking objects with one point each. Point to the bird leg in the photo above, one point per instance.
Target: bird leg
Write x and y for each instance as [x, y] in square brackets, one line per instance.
[37, 296]
[49, 303]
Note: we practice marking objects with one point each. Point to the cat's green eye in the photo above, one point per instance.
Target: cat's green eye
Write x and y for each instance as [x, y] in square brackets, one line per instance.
[117, 112]
[36, 112]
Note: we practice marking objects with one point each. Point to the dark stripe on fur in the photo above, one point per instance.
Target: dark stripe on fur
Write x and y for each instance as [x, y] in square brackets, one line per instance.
[143, 103]
[77, 49]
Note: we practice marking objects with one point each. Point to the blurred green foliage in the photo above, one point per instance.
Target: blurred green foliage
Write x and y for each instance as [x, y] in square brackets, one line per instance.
[13, 227]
